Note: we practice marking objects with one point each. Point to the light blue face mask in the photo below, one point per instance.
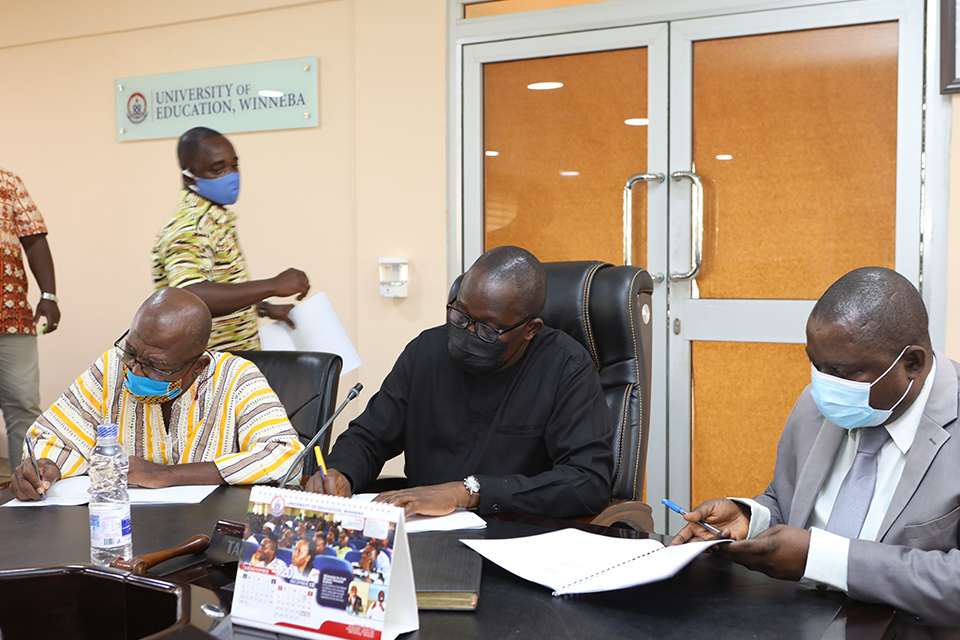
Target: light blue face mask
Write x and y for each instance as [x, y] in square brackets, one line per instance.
[150, 391]
[223, 190]
[846, 403]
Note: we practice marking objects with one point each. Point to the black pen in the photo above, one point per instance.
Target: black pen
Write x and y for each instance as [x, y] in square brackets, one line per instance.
[33, 459]
[683, 512]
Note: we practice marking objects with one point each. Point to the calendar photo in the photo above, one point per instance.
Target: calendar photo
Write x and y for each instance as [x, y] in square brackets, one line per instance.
[316, 563]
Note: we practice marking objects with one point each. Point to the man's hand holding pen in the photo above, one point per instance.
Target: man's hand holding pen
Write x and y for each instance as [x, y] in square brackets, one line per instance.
[28, 485]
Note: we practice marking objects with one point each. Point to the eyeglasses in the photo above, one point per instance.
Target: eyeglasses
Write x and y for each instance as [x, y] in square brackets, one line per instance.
[129, 360]
[484, 331]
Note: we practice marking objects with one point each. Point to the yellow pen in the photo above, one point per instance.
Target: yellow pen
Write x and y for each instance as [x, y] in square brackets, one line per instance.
[323, 465]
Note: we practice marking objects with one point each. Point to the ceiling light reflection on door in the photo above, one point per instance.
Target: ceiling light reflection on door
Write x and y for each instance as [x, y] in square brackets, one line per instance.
[724, 156]
[569, 173]
[544, 86]
[491, 154]
[637, 122]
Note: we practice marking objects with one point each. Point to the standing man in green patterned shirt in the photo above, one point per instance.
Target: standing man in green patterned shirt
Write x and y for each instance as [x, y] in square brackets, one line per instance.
[198, 248]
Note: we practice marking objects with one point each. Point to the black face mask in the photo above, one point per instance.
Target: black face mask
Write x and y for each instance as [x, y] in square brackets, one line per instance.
[474, 355]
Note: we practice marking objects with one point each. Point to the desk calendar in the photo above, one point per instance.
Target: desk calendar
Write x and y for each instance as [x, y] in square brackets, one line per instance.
[322, 566]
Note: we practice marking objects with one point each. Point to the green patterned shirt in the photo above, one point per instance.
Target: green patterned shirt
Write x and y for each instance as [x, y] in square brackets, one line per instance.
[200, 244]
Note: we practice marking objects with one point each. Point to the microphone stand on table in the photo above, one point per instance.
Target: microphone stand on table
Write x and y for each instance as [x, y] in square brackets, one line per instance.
[353, 393]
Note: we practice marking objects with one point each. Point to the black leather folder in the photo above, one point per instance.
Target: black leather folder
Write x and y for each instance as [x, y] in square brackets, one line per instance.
[446, 571]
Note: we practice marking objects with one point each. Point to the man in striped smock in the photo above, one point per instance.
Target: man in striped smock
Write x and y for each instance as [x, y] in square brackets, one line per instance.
[198, 248]
[185, 415]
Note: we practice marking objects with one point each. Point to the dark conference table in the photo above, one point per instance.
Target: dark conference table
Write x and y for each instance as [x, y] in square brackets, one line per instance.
[711, 598]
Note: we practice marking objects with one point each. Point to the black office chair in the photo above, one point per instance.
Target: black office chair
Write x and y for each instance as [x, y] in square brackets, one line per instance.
[306, 383]
[607, 309]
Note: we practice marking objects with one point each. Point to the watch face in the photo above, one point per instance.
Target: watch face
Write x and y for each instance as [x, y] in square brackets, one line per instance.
[472, 484]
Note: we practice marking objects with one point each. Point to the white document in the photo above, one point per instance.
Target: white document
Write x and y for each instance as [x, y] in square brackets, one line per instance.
[63, 493]
[574, 561]
[76, 491]
[318, 329]
[459, 519]
[186, 494]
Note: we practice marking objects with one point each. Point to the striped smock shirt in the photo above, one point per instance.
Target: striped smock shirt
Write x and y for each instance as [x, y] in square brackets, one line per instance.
[229, 416]
[199, 244]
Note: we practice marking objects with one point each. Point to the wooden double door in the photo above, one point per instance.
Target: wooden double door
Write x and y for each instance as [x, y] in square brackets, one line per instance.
[747, 161]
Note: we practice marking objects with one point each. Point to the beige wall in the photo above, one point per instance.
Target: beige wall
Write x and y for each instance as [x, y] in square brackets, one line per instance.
[368, 182]
[953, 257]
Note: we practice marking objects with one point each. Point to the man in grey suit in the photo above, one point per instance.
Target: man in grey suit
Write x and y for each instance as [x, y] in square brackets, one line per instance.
[880, 524]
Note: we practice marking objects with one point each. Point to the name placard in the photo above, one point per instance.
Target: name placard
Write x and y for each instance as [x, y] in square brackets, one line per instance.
[262, 96]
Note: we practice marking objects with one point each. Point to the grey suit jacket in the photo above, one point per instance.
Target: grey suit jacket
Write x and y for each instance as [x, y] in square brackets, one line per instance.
[915, 564]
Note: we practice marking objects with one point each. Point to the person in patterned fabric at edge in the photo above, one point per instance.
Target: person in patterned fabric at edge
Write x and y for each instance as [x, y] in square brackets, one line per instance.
[22, 225]
[198, 248]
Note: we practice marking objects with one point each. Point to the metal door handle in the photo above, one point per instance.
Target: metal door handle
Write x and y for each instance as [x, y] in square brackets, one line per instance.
[628, 211]
[696, 224]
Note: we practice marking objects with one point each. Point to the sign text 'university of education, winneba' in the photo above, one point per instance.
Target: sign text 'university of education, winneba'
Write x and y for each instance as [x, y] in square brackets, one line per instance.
[260, 96]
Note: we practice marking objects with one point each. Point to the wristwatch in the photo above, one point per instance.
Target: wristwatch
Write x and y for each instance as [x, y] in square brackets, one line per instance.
[49, 296]
[472, 485]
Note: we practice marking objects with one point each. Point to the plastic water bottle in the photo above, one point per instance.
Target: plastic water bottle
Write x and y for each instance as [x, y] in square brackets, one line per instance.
[110, 535]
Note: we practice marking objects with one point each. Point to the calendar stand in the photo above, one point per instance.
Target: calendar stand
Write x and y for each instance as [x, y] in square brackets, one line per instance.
[322, 566]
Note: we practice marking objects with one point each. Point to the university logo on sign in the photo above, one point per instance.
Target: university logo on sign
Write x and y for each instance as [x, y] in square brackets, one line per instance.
[137, 108]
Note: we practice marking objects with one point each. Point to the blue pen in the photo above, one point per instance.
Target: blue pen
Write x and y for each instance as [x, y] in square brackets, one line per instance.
[33, 459]
[683, 512]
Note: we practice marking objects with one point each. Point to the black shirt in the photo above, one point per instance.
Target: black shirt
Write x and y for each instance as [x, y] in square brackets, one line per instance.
[538, 435]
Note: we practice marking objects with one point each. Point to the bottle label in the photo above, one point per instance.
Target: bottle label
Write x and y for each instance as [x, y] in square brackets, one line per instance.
[109, 525]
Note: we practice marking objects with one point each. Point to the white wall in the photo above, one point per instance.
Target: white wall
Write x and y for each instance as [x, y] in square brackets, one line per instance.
[368, 182]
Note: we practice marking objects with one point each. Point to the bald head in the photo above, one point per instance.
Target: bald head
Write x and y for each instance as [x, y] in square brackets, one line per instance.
[515, 269]
[884, 307]
[189, 144]
[176, 317]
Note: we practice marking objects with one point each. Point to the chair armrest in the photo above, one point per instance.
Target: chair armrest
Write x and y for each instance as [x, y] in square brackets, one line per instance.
[631, 513]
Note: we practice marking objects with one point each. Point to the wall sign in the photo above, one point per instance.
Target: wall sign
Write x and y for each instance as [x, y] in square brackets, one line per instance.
[262, 96]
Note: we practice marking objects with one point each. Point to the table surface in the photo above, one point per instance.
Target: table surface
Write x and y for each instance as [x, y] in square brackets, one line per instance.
[711, 598]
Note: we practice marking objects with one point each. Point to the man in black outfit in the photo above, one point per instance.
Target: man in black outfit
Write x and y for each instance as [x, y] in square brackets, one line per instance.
[494, 411]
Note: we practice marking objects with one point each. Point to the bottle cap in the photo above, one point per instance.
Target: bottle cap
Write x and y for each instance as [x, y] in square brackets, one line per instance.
[107, 431]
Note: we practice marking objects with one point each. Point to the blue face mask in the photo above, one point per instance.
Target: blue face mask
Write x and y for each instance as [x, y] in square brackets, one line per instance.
[223, 190]
[846, 403]
[150, 391]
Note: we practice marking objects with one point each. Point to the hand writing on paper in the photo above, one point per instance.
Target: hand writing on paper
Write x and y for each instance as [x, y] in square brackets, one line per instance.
[780, 552]
[24, 481]
[335, 484]
[433, 500]
[725, 515]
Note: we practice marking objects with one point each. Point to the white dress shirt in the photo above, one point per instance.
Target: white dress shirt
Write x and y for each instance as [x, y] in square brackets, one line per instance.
[827, 555]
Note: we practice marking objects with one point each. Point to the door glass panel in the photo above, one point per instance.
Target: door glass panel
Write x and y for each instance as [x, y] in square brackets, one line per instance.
[501, 7]
[557, 160]
[742, 395]
[795, 136]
